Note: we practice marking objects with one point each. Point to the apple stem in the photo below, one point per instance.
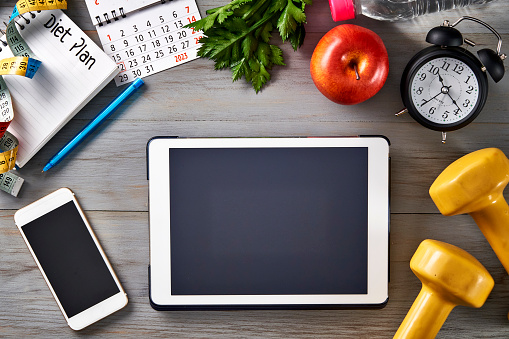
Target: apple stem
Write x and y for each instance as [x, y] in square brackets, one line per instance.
[357, 76]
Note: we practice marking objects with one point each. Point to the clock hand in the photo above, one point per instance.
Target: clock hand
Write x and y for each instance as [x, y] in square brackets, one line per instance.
[454, 102]
[448, 87]
[440, 79]
[425, 102]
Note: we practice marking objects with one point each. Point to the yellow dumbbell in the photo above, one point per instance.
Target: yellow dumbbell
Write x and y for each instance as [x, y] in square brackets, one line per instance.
[450, 276]
[474, 184]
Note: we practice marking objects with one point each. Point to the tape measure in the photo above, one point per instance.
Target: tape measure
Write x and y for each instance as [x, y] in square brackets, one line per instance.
[9, 182]
[24, 6]
[24, 63]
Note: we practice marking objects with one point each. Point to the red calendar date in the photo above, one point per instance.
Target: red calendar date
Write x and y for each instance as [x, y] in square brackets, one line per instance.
[181, 57]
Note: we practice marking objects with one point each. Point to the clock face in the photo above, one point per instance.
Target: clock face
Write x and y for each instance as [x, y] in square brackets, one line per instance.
[444, 90]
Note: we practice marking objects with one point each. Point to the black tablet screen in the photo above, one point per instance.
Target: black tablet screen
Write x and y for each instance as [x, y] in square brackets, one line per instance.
[269, 221]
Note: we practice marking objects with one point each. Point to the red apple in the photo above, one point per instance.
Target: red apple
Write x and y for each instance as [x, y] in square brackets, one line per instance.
[349, 64]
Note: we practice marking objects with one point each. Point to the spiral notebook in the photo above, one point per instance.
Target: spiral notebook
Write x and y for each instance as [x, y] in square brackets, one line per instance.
[73, 70]
[146, 36]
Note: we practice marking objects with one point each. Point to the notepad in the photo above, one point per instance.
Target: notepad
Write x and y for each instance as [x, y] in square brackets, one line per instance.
[146, 36]
[73, 70]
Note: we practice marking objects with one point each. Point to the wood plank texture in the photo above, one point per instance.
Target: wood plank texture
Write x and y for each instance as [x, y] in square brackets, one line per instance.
[108, 174]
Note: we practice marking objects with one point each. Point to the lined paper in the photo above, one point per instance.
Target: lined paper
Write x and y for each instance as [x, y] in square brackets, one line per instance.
[62, 85]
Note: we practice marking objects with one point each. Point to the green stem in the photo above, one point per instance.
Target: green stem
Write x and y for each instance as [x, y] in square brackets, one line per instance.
[251, 29]
[253, 9]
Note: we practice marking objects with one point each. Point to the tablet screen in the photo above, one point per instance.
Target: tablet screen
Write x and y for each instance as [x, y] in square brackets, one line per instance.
[268, 221]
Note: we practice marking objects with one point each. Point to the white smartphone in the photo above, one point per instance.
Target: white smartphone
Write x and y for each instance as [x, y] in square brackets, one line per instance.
[70, 258]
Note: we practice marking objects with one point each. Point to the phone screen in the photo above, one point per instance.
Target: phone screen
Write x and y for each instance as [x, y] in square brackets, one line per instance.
[70, 259]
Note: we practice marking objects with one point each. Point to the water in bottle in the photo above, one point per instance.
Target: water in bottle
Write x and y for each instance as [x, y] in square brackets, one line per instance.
[392, 10]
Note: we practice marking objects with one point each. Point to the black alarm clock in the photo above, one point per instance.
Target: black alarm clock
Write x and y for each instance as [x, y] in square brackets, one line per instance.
[444, 87]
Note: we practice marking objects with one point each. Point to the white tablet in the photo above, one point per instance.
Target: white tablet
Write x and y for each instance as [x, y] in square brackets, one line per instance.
[268, 222]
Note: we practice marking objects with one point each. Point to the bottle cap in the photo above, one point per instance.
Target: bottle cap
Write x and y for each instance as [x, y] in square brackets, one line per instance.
[342, 9]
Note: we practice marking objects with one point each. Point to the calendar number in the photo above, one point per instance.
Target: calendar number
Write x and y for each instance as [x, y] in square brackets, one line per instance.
[181, 57]
[146, 58]
[123, 77]
[152, 34]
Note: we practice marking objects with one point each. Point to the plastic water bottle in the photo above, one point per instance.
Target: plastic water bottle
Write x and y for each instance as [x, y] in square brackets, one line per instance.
[392, 10]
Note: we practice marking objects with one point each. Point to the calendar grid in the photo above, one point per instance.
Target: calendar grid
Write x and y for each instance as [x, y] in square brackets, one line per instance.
[152, 40]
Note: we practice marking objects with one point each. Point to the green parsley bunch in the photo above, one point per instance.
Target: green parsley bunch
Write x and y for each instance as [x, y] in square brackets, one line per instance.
[237, 36]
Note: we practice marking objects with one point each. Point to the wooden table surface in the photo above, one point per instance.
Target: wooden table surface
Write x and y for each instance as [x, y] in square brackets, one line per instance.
[108, 175]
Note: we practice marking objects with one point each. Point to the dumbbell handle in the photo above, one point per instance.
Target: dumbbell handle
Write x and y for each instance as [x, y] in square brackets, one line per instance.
[493, 221]
[426, 316]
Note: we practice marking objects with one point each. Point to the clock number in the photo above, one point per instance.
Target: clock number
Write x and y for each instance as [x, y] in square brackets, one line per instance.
[433, 70]
[445, 66]
[458, 68]
[446, 114]
[470, 89]
[422, 77]
[465, 104]
[432, 110]
[457, 111]
[468, 78]
[419, 90]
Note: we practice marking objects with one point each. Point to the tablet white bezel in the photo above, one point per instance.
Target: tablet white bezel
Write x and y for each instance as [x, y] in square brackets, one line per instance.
[378, 222]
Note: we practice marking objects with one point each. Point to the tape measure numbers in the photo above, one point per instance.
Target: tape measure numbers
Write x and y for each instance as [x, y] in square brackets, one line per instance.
[24, 6]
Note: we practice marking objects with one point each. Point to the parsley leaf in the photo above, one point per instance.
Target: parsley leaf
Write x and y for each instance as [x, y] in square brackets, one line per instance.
[237, 36]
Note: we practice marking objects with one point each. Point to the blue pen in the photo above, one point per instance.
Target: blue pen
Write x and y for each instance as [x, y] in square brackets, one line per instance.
[92, 125]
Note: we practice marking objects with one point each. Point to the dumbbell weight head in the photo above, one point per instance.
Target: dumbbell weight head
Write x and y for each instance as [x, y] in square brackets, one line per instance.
[450, 276]
[474, 184]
